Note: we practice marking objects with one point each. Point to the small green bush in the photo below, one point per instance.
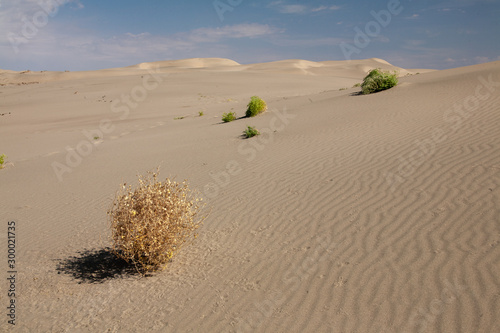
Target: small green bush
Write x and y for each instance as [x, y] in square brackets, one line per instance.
[2, 160]
[377, 80]
[200, 113]
[357, 85]
[256, 106]
[250, 132]
[227, 117]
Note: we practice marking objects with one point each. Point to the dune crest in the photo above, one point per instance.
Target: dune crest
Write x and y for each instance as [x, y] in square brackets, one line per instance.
[187, 63]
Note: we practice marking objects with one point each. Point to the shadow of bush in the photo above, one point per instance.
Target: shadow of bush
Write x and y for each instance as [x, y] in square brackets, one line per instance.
[96, 266]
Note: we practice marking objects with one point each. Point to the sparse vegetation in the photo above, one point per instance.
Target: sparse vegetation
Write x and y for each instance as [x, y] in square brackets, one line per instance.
[150, 223]
[343, 89]
[255, 106]
[179, 118]
[250, 132]
[96, 138]
[227, 117]
[200, 113]
[378, 80]
[357, 85]
[2, 160]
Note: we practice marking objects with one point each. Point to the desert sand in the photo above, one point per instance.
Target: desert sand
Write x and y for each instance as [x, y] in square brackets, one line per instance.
[349, 213]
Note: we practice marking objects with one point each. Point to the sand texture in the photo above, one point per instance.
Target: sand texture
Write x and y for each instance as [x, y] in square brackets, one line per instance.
[349, 213]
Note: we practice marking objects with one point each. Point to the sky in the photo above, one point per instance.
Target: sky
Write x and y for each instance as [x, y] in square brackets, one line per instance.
[95, 34]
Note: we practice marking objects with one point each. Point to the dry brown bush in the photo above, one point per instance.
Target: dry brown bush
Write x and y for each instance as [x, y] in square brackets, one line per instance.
[149, 224]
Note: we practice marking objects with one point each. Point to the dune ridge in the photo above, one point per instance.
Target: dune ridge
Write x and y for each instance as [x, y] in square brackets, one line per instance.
[188, 63]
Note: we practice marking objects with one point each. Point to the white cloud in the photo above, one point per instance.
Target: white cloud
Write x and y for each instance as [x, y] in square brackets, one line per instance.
[382, 39]
[450, 10]
[24, 19]
[292, 9]
[284, 8]
[252, 30]
[161, 46]
[409, 43]
[62, 46]
[319, 9]
[13, 12]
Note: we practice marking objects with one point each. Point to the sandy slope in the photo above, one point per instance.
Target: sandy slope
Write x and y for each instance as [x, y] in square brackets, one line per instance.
[349, 213]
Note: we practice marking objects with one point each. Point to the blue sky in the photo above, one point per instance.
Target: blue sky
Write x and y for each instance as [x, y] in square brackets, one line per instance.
[90, 34]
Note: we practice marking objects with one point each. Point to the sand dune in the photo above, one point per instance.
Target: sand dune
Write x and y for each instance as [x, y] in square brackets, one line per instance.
[356, 69]
[375, 213]
[188, 63]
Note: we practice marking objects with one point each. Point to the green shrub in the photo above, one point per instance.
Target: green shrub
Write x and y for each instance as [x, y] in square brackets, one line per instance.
[200, 113]
[377, 80]
[256, 106]
[357, 85]
[250, 132]
[150, 223]
[227, 117]
[2, 160]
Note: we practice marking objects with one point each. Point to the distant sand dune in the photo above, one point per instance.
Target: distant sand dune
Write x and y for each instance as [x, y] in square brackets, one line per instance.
[353, 68]
[188, 63]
